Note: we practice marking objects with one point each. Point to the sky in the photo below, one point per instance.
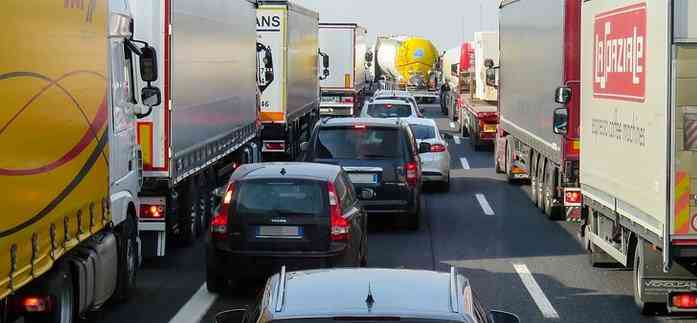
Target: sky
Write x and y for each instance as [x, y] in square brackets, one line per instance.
[445, 22]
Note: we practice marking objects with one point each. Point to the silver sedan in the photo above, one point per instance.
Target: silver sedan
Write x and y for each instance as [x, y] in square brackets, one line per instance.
[435, 164]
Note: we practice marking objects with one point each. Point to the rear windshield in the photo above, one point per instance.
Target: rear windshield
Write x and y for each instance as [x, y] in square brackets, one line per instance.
[280, 197]
[381, 110]
[358, 143]
[422, 132]
[349, 319]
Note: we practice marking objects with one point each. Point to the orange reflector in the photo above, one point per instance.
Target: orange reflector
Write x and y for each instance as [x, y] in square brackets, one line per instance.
[517, 170]
[34, 304]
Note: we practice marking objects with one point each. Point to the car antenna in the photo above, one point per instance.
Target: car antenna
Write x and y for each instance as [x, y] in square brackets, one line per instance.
[370, 301]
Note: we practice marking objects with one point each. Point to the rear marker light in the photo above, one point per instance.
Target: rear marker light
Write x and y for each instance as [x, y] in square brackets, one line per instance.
[148, 211]
[34, 304]
[437, 148]
[572, 197]
[340, 227]
[684, 300]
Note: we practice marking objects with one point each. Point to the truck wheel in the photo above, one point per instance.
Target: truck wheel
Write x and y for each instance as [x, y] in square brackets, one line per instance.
[497, 164]
[509, 161]
[534, 181]
[128, 257]
[552, 212]
[59, 285]
[645, 308]
[188, 215]
[539, 196]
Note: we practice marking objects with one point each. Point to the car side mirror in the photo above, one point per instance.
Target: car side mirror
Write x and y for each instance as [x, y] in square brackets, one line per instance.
[231, 316]
[562, 95]
[151, 96]
[560, 123]
[503, 317]
[424, 147]
[304, 146]
[148, 64]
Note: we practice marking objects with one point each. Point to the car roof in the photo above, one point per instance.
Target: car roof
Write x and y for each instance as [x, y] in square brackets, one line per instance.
[346, 122]
[423, 121]
[344, 292]
[399, 93]
[389, 101]
[290, 170]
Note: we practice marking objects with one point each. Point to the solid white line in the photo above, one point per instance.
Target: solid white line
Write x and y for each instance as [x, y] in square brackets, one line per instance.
[196, 307]
[457, 140]
[484, 204]
[536, 292]
[465, 164]
[452, 124]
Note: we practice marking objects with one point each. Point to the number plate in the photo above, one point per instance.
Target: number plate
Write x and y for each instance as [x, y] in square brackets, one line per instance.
[334, 99]
[268, 231]
[490, 128]
[364, 178]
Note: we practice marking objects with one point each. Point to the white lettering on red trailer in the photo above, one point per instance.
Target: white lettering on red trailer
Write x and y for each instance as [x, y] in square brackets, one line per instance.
[620, 54]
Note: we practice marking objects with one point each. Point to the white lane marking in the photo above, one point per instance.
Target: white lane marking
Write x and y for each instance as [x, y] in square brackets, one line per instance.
[465, 164]
[196, 307]
[536, 292]
[452, 124]
[457, 140]
[484, 204]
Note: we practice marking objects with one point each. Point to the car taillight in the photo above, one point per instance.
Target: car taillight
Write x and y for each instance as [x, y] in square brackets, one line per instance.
[684, 300]
[437, 148]
[572, 197]
[275, 145]
[412, 173]
[340, 227]
[152, 212]
[219, 224]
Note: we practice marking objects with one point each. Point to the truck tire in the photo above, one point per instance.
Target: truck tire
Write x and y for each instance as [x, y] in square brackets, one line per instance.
[186, 213]
[127, 235]
[645, 308]
[534, 180]
[59, 284]
[552, 212]
[509, 161]
[497, 164]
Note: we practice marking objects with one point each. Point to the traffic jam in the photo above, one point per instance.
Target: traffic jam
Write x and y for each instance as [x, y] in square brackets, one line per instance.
[265, 161]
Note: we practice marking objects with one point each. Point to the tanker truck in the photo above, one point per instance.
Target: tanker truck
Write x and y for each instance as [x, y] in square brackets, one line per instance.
[408, 63]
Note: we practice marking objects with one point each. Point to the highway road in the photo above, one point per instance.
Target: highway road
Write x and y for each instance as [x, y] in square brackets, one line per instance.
[515, 258]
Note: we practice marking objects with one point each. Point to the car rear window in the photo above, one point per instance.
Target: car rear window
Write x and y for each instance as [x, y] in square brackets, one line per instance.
[358, 143]
[422, 132]
[388, 110]
[281, 197]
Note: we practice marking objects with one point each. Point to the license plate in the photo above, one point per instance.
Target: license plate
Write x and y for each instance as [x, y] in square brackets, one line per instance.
[490, 128]
[363, 178]
[278, 231]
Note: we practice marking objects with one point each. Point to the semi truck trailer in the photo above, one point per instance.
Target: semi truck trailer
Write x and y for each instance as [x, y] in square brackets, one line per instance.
[290, 104]
[526, 146]
[70, 168]
[344, 90]
[638, 149]
[449, 77]
[209, 122]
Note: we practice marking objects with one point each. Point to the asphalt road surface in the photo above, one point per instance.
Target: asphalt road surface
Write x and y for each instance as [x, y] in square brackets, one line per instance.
[515, 258]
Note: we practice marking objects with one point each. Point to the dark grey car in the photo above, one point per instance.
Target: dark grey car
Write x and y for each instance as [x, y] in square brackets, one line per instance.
[367, 295]
[302, 215]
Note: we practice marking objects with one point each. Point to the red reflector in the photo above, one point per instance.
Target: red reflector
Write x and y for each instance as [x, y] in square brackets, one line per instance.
[150, 211]
[348, 99]
[34, 304]
[684, 300]
[275, 145]
[572, 197]
[437, 148]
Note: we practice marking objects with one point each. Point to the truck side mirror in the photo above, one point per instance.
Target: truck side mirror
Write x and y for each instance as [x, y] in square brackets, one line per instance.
[562, 95]
[325, 65]
[151, 96]
[503, 317]
[560, 123]
[148, 64]
[491, 77]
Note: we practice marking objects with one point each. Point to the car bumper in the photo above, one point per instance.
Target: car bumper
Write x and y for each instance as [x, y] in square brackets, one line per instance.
[435, 167]
[235, 264]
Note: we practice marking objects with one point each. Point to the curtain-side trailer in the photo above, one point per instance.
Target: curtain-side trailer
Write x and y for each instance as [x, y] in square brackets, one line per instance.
[70, 168]
[344, 89]
[527, 147]
[639, 149]
[209, 122]
[290, 104]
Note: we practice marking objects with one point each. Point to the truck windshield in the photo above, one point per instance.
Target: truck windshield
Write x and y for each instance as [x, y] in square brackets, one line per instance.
[358, 143]
[280, 197]
[388, 110]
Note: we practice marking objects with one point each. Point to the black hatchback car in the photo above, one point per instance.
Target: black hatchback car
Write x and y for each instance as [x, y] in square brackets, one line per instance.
[300, 215]
[381, 159]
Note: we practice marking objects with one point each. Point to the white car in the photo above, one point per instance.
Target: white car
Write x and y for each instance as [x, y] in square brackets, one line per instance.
[435, 165]
[389, 109]
[398, 95]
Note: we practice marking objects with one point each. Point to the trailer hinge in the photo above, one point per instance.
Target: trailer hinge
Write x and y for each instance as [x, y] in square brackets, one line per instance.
[169, 105]
[169, 153]
[169, 30]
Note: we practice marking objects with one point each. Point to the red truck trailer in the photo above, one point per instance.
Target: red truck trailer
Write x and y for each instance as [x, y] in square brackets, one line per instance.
[529, 73]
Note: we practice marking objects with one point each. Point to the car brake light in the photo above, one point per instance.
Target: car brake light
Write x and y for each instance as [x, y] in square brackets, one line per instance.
[150, 211]
[684, 300]
[340, 227]
[359, 126]
[412, 172]
[34, 304]
[437, 148]
[275, 145]
[572, 197]
[219, 223]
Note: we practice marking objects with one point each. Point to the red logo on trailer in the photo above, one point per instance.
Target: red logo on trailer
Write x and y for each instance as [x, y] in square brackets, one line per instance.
[619, 57]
